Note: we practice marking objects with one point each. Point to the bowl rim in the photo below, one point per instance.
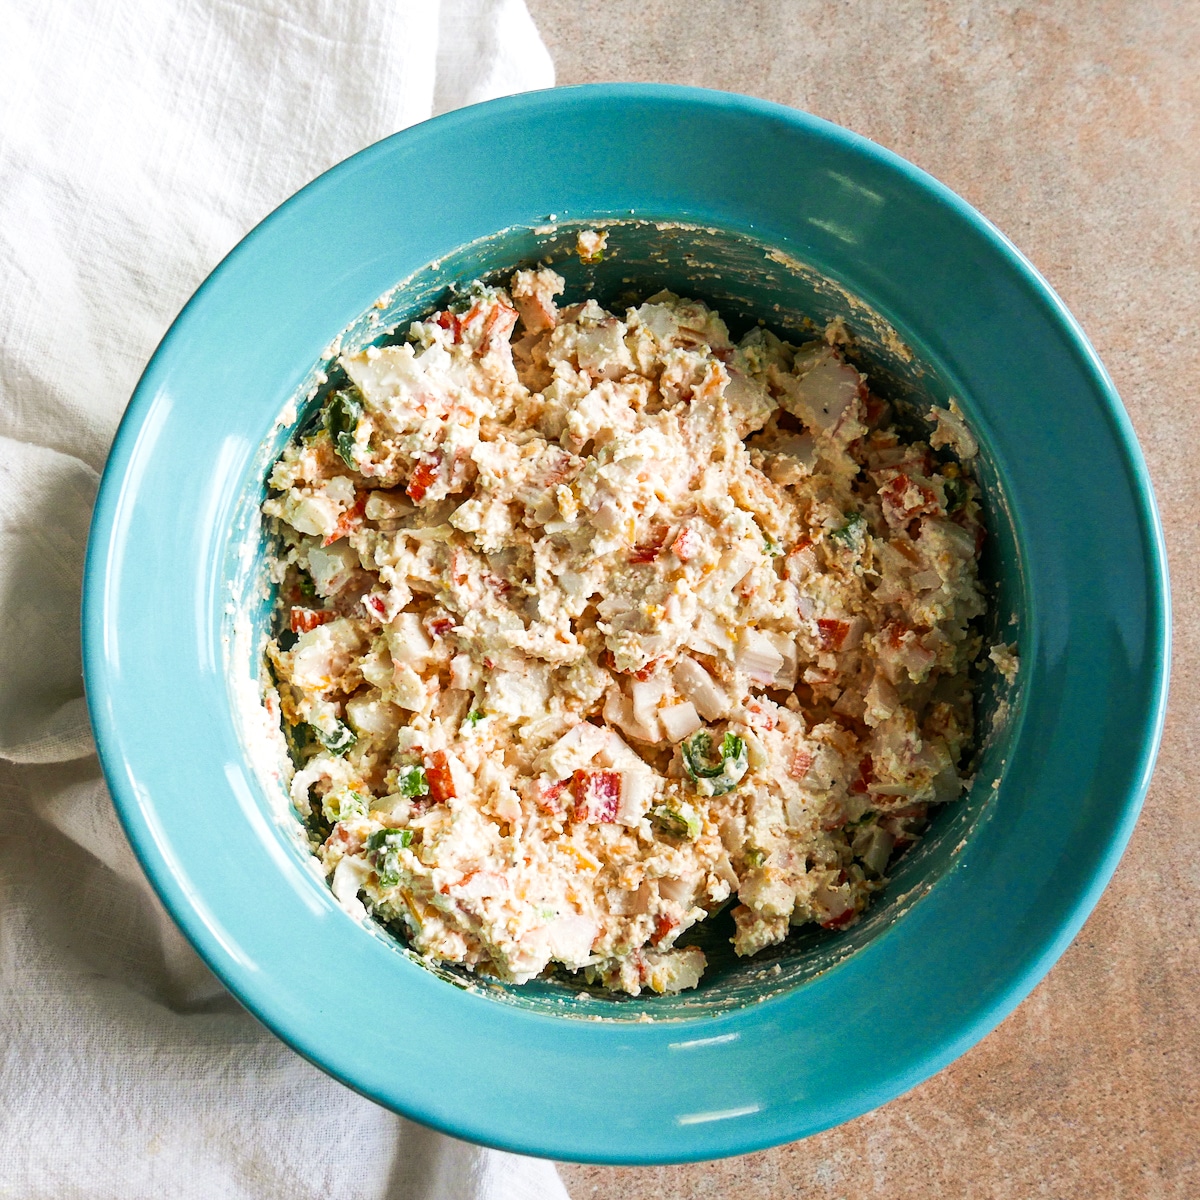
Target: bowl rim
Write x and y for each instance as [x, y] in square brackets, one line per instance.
[136, 809]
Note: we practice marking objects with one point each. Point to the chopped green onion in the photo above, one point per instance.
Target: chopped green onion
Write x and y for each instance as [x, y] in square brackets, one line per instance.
[715, 778]
[755, 858]
[697, 756]
[474, 717]
[771, 546]
[385, 839]
[341, 419]
[411, 781]
[343, 804]
[337, 740]
[305, 584]
[852, 531]
[386, 845]
[682, 821]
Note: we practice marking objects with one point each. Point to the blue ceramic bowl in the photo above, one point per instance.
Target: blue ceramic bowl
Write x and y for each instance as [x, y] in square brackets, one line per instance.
[768, 213]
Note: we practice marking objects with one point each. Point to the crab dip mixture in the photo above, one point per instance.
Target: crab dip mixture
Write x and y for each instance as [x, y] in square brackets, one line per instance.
[591, 626]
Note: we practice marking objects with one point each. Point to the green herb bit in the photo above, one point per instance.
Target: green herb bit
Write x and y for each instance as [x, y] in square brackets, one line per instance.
[771, 547]
[305, 584]
[352, 804]
[715, 778]
[956, 494]
[343, 804]
[734, 764]
[474, 717]
[853, 530]
[697, 756]
[390, 839]
[682, 821]
[338, 740]
[386, 844]
[341, 419]
[411, 781]
[755, 858]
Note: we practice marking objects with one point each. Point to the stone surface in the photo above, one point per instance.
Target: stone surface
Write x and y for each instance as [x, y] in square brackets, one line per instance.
[1076, 128]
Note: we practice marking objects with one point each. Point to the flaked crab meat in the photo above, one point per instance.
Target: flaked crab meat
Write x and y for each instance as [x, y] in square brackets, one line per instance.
[592, 624]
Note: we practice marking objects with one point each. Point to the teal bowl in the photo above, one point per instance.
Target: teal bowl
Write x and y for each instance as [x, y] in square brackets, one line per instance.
[769, 214]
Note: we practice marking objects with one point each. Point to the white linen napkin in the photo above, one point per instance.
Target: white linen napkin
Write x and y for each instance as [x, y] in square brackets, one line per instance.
[139, 139]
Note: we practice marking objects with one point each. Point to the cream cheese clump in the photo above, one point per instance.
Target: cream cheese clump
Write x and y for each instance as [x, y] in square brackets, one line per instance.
[593, 625]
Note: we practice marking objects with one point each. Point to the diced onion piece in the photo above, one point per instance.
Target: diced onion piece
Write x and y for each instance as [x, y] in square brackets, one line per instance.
[608, 518]
[331, 567]
[785, 646]
[645, 696]
[408, 641]
[699, 687]
[758, 657]
[791, 458]
[825, 393]
[407, 688]
[618, 710]
[679, 720]
[601, 351]
[387, 506]
[575, 749]
[322, 656]
[371, 714]
[637, 791]
[615, 753]
[462, 671]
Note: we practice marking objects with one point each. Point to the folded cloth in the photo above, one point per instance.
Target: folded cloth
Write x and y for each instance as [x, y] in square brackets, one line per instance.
[139, 140]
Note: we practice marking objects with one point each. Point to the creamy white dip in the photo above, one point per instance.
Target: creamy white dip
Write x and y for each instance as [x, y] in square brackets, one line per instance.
[592, 625]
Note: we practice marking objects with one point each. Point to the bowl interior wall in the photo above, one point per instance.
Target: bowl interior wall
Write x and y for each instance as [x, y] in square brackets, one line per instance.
[748, 283]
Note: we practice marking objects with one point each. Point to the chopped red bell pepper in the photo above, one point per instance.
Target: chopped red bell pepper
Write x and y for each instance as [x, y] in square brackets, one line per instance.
[597, 796]
[832, 632]
[437, 775]
[423, 477]
[302, 620]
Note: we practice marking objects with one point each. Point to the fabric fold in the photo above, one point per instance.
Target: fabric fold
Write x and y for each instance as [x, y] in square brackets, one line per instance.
[138, 142]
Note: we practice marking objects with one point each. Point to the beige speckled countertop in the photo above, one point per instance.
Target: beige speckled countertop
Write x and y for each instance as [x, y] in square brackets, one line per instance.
[1076, 128]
